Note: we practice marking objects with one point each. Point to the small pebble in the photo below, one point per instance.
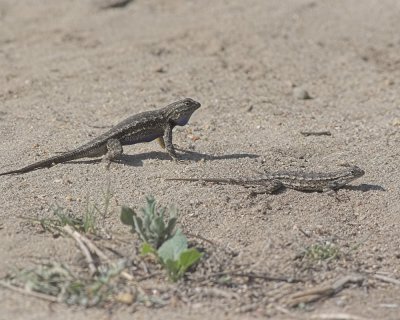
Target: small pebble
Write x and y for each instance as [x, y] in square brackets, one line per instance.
[126, 298]
[109, 4]
[396, 122]
[161, 70]
[300, 93]
[389, 82]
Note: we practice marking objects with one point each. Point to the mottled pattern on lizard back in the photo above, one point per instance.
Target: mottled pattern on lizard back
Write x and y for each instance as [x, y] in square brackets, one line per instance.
[316, 181]
[142, 127]
[311, 181]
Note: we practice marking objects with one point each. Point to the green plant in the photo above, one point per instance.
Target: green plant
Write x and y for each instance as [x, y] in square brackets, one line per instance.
[160, 238]
[322, 251]
[93, 211]
[60, 220]
[89, 223]
[175, 255]
[56, 282]
[151, 227]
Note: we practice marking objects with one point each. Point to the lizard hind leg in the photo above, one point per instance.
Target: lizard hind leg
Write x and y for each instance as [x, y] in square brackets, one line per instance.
[268, 188]
[114, 150]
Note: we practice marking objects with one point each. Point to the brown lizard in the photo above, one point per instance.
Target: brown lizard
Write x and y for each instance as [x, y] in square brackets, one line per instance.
[142, 127]
[312, 181]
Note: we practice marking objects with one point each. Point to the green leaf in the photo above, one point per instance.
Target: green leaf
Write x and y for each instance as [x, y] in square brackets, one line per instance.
[157, 226]
[173, 211]
[171, 225]
[138, 227]
[127, 216]
[177, 268]
[172, 248]
[149, 210]
[147, 249]
[172, 269]
[188, 258]
[146, 221]
[161, 212]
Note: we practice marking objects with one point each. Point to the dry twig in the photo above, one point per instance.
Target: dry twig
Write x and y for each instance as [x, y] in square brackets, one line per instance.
[78, 238]
[29, 293]
[92, 247]
[337, 316]
[318, 293]
[386, 279]
[252, 275]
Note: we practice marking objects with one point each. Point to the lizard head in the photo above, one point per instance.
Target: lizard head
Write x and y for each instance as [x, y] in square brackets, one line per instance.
[351, 173]
[356, 172]
[180, 112]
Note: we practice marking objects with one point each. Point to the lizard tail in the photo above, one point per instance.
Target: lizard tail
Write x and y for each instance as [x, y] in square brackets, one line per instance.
[222, 180]
[43, 163]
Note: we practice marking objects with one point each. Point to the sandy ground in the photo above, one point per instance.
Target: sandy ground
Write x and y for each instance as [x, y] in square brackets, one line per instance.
[70, 70]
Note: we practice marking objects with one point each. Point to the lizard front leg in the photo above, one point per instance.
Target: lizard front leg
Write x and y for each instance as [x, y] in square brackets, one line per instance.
[160, 141]
[168, 142]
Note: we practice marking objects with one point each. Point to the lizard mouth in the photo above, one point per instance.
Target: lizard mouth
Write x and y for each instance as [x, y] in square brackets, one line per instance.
[196, 105]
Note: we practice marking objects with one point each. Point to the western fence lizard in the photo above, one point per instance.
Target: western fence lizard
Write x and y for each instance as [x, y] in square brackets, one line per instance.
[142, 127]
[312, 181]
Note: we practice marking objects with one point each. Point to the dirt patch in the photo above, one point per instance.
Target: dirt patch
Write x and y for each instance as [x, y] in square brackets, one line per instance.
[71, 70]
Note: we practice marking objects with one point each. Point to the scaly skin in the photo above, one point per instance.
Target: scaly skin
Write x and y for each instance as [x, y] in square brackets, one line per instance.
[311, 181]
[142, 127]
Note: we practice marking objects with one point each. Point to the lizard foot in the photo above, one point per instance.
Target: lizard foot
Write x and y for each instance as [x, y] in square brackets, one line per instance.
[114, 149]
[181, 161]
[334, 194]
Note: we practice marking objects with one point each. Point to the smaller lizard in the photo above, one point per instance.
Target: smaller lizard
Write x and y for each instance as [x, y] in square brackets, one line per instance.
[312, 181]
[142, 127]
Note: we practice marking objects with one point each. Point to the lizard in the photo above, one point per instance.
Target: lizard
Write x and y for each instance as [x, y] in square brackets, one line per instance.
[142, 127]
[312, 181]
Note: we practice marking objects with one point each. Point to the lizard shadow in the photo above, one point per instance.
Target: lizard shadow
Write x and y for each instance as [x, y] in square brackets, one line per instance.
[197, 156]
[185, 155]
[136, 160]
[364, 187]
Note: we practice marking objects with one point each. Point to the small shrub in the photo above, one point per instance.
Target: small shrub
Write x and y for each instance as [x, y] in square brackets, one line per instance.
[151, 227]
[161, 239]
[322, 252]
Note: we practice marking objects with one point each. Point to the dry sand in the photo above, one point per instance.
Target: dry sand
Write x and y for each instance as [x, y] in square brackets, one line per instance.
[70, 70]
